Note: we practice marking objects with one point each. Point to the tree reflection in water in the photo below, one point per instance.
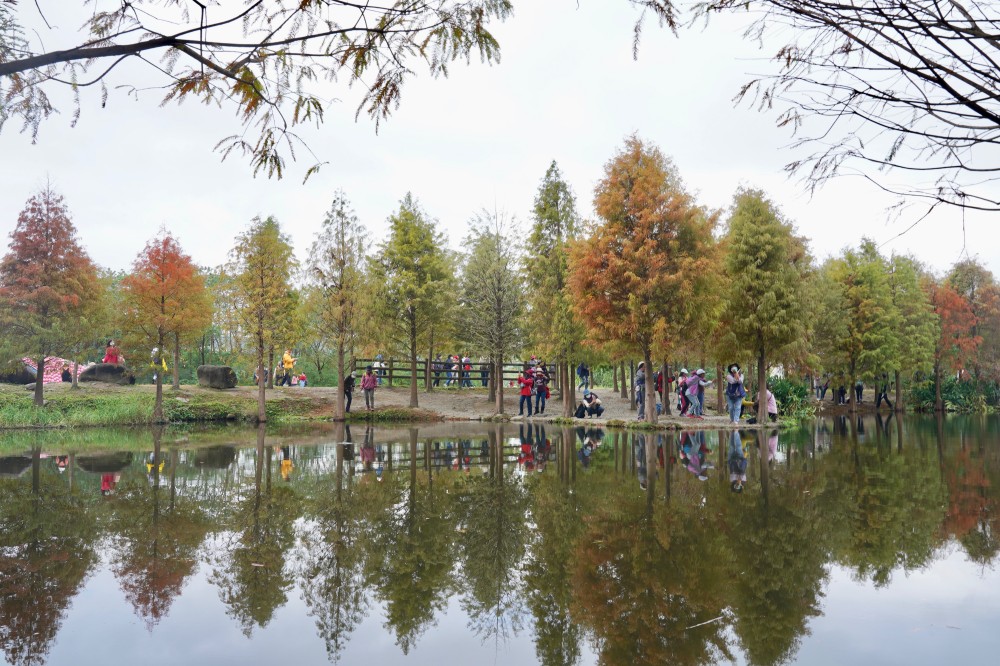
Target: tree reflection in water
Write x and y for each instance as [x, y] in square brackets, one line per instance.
[610, 543]
[249, 565]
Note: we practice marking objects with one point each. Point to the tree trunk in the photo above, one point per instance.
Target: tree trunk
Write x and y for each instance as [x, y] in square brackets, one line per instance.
[631, 382]
[851, 387]
[666, 391]
[938, 401]
[270, 373]
[40, 380]
[492, 380]
[429, 381]
[624, 390]
[263, 381]
[177, 362]
[761, 392]
[338, 411]
[569, 389]
[719, 404]
[413, 364]
[498, 373]
[76, 373]
[899, 407]
[614, 374]
[158, 371]
[647, 357]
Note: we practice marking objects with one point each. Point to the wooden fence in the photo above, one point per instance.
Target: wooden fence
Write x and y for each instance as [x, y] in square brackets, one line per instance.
[439, 373]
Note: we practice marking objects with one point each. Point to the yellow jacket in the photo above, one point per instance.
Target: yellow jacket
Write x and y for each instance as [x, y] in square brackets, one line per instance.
[288, 361]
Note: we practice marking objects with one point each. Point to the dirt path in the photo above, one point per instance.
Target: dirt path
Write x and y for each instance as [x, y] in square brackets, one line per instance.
[450, 404]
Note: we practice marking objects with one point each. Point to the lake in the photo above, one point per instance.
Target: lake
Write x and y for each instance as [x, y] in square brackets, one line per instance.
[868, 541]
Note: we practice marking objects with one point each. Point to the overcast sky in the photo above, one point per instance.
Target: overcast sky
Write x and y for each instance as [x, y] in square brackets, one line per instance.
[566, 89]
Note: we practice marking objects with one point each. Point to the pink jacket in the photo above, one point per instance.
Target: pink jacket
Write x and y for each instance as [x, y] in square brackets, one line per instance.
[368, 381]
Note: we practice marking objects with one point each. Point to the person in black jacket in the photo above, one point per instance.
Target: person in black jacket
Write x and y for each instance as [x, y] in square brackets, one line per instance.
[349, 391]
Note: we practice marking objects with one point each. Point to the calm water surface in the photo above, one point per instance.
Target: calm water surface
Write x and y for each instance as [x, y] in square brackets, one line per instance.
[854, 541]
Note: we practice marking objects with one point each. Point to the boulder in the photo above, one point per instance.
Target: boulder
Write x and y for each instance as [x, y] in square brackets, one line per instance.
[16, 376]
[216, 376]
[107, 372]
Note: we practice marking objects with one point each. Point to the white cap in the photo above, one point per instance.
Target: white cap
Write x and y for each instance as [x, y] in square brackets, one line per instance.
[684, 371]
[699, 372]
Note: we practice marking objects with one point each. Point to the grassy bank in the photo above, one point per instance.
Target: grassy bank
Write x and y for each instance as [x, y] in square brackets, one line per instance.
[123, 406]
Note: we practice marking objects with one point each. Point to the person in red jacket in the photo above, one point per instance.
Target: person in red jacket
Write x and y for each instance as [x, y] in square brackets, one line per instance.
[527, 384]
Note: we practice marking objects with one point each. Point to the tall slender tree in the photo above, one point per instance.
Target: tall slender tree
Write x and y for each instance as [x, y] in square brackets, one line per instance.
[762, 311]
[555, 331]
[46, 282]
[871, 340]
[336, 268]
[492, 293]
[261, 268]
[956, 341]
[639, 275]
[414, 273]
[977, 285]
[158, 294]
[918, 324]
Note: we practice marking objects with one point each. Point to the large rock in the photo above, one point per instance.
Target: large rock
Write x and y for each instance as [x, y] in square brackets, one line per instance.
[107, 372]
[16, 376]
[216, 376]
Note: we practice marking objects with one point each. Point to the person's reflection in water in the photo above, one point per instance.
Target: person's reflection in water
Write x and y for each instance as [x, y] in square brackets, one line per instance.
[368, 450]
[542, 446]
[286, 463]
[464, 446]
[62, 463]
[379, 460]
[526, 455]
[449, 455]
[737, 462]
[772, 445]
[692, 451]
[640, 460]
[590, 439]
[108, 483]
[151, 462]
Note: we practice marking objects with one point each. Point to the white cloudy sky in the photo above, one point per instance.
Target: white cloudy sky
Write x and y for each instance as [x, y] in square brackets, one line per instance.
[567, 89]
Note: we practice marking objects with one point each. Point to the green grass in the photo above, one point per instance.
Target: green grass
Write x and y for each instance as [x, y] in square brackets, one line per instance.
[69, 409]
[392, 415]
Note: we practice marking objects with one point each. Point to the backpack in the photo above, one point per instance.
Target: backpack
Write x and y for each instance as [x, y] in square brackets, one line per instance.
[736, 390]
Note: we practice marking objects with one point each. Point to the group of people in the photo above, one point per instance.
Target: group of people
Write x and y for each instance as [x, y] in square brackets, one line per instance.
[821, 384]
[458, 371]
[534, 383]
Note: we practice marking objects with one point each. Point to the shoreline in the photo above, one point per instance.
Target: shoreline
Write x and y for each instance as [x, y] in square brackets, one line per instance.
[96, 405]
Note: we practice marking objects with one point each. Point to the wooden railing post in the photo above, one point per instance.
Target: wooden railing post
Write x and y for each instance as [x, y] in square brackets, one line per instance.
[390, 372]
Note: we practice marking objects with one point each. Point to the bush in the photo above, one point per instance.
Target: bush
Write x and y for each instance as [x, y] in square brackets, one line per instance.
[968, 397]
[792, 397]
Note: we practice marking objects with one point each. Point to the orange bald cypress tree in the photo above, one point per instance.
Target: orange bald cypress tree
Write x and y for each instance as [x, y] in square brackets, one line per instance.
[46, 281]
[638, 278]
[957, 342]
[158, 294]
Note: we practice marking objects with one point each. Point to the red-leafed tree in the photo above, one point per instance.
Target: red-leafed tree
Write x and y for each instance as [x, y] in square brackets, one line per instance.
[957, 341]
[157, 295]
[638, 279]
[47, 282]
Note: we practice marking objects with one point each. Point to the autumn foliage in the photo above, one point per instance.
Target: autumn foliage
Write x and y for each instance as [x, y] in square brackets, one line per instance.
[162, 294]
[957, 341]
[637, 279]
[46, 280]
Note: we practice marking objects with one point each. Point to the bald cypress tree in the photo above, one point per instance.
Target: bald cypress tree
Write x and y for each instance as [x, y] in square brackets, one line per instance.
[762, 313]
